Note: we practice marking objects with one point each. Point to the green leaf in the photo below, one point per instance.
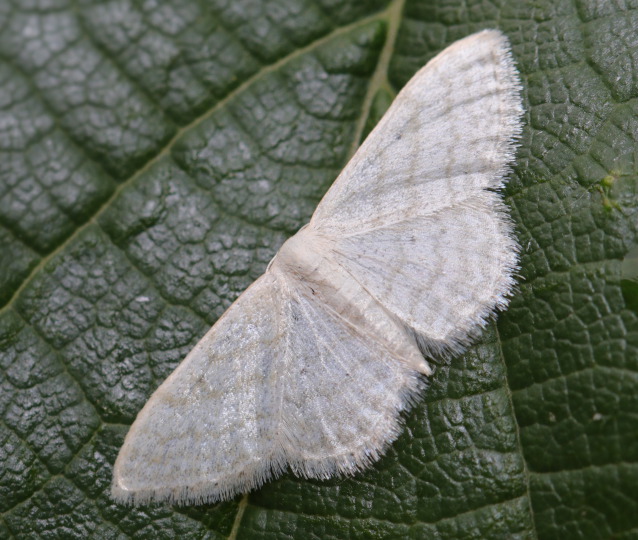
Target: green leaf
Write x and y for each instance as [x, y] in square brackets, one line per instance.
[154, 157]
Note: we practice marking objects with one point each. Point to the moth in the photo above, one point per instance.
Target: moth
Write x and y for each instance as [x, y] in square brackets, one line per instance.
[406, 257]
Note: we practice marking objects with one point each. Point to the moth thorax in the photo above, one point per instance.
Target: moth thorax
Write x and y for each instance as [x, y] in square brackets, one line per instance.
[300, 254]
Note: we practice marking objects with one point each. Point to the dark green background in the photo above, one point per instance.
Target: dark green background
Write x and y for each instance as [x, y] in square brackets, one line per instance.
[154, 156]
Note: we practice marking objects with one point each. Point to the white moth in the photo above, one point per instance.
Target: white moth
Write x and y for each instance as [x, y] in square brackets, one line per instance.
[409, 253]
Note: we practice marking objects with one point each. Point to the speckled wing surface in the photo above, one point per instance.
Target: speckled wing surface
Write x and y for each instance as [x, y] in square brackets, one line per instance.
[414, 216]
[266, 388]
[411, 250]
